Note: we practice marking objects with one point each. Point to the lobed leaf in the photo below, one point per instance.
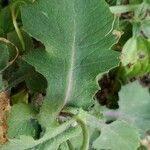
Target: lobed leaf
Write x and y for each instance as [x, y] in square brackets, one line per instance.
[77, 50]
[134, 106]
[118, 135]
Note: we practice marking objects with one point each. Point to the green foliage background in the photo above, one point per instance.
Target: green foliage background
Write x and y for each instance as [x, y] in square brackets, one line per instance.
[77, 73]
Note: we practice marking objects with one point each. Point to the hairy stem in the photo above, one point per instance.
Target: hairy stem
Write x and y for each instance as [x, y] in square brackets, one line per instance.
[85, 133]
[123, 8]
[70, 146]
[75, 113]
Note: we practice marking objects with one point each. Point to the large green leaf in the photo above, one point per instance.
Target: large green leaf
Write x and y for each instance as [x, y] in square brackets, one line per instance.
[134, 106]
[77, 49]
[117, 136]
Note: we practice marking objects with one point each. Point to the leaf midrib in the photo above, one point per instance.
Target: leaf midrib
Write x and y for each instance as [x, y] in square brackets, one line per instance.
[72, 61]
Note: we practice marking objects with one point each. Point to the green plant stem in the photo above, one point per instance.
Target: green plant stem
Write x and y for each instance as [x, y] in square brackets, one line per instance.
[70, 146]
[14, 19]
[85, 133]
[123, 8]
[74, 113]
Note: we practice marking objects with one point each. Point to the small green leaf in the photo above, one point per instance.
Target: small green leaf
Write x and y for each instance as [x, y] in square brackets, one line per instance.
[5, 20]
[20, 121]
[35, 81]
[13, 37]
[20, 97]
[135, 56]
[118, 135]
[15, 76]
[145, 27]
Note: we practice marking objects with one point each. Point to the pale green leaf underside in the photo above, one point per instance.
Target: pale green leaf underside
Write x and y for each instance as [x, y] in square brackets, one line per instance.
[138, 98]
[117, 136]
[77, 48]
[134, 106]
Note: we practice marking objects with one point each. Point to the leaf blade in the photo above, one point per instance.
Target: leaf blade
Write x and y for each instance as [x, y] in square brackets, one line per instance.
[74, 34]
[126, 136]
